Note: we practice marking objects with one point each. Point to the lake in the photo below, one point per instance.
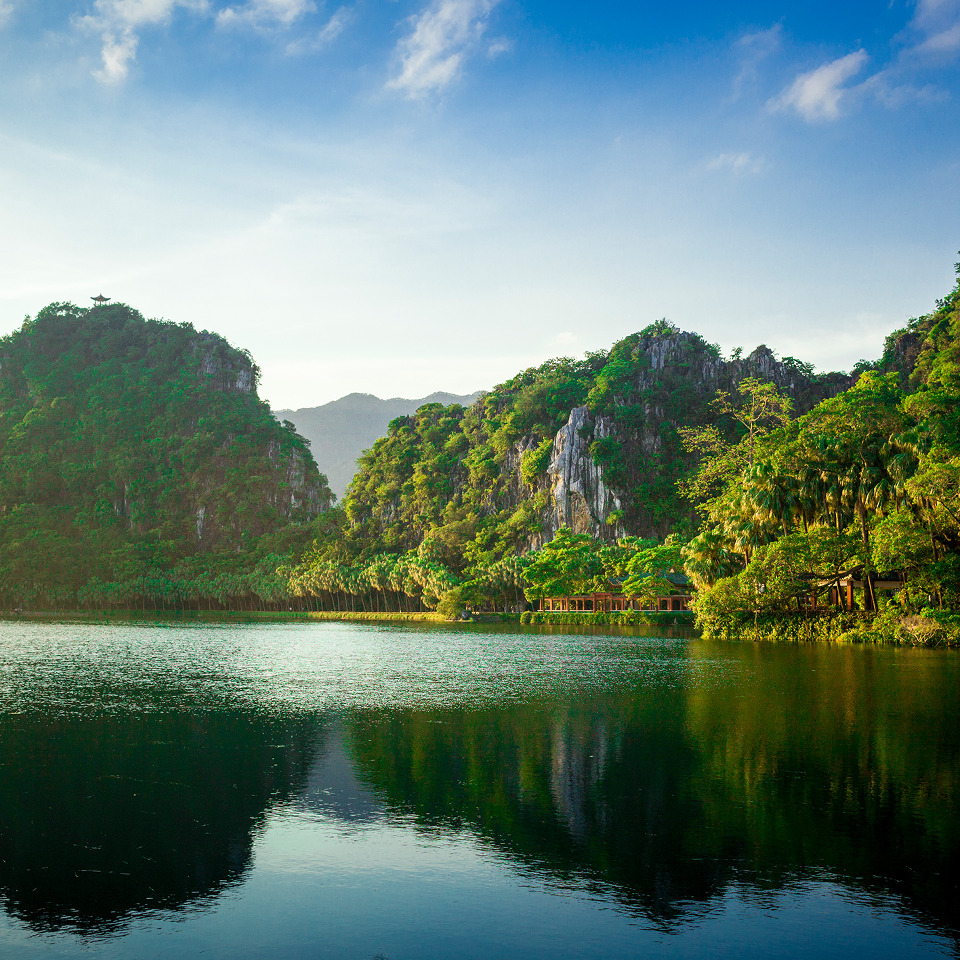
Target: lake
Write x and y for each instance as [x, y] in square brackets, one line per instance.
[191, 789]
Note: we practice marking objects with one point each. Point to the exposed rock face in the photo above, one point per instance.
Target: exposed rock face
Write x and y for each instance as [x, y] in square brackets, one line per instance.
[580, 499]
[584, 496]
[297, 492]
[222, 367]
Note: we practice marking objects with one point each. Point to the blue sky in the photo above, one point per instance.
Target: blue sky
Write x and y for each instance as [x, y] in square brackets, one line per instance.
[398, 197]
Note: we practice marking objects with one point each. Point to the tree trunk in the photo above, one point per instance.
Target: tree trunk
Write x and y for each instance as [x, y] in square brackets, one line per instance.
[869, 599]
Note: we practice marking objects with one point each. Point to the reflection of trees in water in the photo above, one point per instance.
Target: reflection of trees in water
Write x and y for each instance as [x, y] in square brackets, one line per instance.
[841, 760]
[596, 791]
[808, 763]
[103, 816]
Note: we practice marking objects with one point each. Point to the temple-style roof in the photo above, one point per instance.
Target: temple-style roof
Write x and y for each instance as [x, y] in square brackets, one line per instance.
[99, 298]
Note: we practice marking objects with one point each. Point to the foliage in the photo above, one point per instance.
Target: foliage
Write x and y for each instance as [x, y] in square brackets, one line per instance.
[138, 466]
[864, 486]
[760, 406]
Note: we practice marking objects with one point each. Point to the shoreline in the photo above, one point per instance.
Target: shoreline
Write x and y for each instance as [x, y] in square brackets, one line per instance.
[942, 632]
[614, 621]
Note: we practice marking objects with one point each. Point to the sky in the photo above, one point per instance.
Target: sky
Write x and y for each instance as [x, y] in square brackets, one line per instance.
[399, 196]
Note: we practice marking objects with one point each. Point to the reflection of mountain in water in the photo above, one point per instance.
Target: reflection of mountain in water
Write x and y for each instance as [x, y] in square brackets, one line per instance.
[846, 774]
[596, 792]
[819, 766]
[106, 815]
[331, 787]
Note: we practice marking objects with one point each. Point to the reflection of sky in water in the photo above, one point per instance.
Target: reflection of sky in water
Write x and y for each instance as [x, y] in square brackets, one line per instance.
[297, 667]
[321, 889]
[371, 827]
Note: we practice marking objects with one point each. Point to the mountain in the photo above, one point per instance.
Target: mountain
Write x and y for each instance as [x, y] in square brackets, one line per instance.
[129, 446]
[594, 445]
[341, 430]
[800, 505]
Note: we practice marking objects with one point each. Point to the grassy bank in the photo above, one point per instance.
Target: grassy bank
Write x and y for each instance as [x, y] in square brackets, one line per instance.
[627, 618]
[932, 628]
[427, 616]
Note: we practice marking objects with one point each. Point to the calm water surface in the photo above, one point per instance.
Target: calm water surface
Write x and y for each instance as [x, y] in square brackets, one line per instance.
[350, 791]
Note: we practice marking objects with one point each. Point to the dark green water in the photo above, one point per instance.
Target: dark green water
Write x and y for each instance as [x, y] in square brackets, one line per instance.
[351, 791]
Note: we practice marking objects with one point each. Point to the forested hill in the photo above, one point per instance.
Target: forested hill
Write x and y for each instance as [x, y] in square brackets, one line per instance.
[341, 430]
[131, 446]
[594, 445]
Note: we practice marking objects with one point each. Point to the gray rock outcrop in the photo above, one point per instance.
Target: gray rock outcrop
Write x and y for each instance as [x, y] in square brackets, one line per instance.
[579, 498]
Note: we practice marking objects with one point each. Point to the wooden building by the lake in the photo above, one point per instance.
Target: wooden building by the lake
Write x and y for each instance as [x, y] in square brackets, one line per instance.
[678, 598]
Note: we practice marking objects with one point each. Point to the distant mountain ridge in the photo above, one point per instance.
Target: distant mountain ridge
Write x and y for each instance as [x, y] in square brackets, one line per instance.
[341, 430]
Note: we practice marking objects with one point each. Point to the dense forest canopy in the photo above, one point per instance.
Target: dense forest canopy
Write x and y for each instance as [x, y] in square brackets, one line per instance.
[865, 488]
[131, 449]
[593, 444]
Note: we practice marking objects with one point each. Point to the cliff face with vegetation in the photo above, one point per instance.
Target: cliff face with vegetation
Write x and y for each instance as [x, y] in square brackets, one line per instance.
[128, 445]
[592, 445]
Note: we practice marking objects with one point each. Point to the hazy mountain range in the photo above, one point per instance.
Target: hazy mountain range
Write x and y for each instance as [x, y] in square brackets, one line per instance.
[341, 430]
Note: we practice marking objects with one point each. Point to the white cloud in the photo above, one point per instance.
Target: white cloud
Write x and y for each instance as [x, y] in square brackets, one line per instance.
[738, 163]
[932, 35]
[443, 35]
[498, 46]
[816, 95]
[938, 23]
[938, 20]
[324, 37]
[131, 14]
[753, 49]
[933, 32]
[117, 54]
[946, 41]
[265, 13]
[118, 22]
[6, 8]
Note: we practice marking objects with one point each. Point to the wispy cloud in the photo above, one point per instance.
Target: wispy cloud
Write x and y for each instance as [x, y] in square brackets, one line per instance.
[931, 37]
[441, 38]
[116, 55]
[118, 23]
[937, 22]
[816, 95]
[498, 46]
[265, 13]
[738, 163]
[6, 8]
[753, 49]
[323, 37]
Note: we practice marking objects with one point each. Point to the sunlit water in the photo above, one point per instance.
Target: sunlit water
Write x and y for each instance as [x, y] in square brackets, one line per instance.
[350, 791]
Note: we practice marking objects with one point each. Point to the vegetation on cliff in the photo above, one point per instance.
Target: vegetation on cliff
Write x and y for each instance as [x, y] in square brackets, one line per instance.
[660, 455]
[137, 464]
[594, 444]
